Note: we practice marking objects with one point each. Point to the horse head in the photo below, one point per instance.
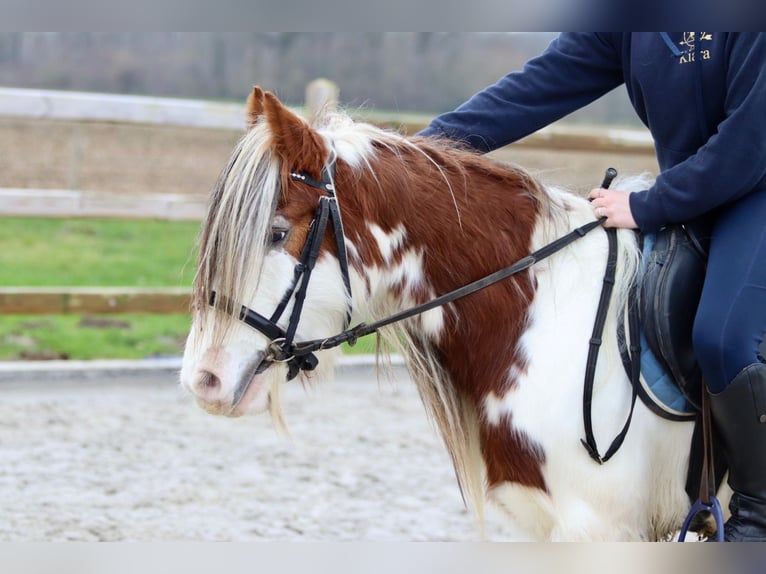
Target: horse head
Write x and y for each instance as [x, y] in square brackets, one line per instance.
[265, 208]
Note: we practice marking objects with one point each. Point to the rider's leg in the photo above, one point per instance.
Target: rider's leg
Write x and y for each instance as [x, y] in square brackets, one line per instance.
[728, 331]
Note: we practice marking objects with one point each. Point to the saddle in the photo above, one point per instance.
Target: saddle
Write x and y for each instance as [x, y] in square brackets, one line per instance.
[675, 259]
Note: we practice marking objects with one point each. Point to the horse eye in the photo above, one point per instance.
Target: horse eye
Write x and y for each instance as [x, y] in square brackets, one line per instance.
[278, 235]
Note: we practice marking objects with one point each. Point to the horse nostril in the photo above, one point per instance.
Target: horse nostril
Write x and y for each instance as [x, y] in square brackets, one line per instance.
[207, 382]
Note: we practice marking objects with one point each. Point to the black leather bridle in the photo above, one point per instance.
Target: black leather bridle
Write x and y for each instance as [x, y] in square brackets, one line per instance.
[281, 348]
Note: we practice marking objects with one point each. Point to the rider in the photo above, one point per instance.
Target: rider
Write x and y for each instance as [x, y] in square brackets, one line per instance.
[703, 97]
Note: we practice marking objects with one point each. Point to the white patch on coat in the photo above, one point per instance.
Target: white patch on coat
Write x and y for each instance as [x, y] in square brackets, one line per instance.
[392, 290]
[494, 408]
[388, 243]
[351, 250]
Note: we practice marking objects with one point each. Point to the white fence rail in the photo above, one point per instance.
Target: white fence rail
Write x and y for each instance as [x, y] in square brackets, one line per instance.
[82, 106]
[64, 203]
[58, 105]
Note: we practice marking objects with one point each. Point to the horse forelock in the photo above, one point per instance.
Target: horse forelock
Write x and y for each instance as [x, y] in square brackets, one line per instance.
[232, 241]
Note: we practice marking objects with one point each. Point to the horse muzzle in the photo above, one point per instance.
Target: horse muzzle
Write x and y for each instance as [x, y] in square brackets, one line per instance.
[219, 391]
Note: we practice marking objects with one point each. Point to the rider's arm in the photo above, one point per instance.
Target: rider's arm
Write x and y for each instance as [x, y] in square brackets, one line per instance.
[573, 71]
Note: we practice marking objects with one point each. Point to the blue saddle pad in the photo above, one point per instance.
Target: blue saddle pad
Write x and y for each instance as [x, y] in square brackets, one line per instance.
[658, 391]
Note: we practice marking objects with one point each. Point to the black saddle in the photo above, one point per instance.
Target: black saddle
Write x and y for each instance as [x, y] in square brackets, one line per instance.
[674, 271]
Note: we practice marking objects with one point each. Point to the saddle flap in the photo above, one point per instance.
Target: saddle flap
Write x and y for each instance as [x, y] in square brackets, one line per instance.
[674, 272]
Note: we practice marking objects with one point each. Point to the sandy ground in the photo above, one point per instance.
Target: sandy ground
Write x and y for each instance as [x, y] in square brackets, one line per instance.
[131, 458]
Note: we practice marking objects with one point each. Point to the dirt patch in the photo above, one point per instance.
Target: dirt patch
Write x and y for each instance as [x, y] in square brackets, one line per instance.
[42, 356]
[111, 157]
[130, 158]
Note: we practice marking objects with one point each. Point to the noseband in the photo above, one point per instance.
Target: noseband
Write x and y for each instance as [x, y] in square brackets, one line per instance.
[281, 347]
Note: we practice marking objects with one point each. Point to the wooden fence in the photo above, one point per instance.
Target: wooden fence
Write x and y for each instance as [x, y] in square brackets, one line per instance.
[92, 300]
[74, 203]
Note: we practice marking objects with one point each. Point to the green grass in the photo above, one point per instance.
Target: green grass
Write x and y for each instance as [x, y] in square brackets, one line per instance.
[78, 253]
[74, 253]
[74, 337]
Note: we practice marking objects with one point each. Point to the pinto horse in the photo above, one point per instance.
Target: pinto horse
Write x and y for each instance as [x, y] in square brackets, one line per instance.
[500, 371]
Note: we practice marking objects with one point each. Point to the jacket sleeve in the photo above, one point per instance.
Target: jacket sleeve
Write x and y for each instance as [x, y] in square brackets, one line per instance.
[732, 162]
[575, 69]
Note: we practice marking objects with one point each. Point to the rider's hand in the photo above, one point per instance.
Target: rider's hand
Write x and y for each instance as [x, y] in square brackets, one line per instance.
[615, 205]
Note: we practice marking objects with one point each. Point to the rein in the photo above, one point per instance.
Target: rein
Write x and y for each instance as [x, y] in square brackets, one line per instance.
[631, 359]
[351, 335]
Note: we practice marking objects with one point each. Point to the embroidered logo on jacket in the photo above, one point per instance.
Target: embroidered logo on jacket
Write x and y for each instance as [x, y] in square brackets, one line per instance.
[689, 44]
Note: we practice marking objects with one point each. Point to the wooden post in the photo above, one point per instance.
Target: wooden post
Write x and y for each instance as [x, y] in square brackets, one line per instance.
[321, 95]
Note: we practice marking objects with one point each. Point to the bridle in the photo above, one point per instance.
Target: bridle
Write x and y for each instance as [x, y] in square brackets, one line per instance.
[300, 356]
[281, 348]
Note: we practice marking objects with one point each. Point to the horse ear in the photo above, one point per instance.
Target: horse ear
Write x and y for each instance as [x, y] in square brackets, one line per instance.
[254, 106]
[299, 146]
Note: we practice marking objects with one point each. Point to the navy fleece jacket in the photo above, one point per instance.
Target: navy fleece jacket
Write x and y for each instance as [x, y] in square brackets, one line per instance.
[701, 94]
